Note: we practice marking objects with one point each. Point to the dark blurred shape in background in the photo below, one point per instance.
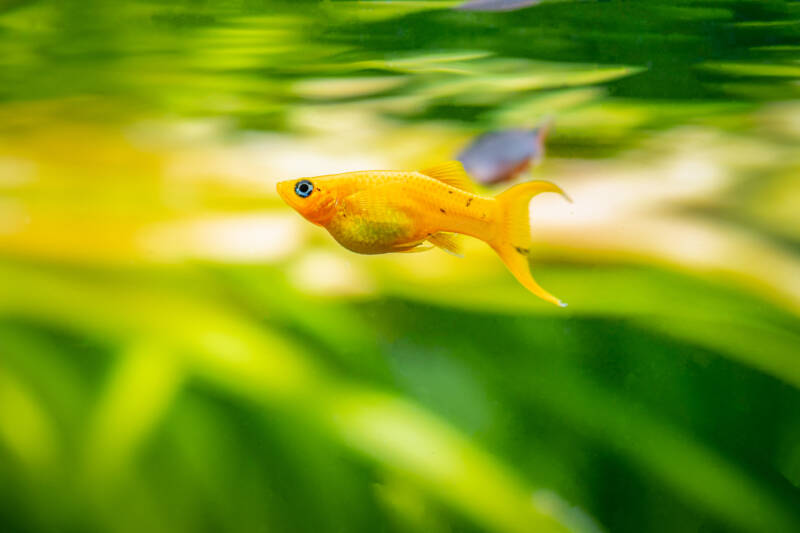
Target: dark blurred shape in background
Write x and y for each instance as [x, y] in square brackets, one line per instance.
[499, 156]
[496, 5]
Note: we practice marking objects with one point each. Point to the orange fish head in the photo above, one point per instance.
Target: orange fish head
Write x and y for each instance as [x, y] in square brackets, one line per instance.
[310, 197]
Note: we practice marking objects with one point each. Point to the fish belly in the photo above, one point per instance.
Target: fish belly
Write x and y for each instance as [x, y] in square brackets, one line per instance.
[375, 233]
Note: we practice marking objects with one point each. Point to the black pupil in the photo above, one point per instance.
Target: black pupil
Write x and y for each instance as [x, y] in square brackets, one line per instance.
[303, 188]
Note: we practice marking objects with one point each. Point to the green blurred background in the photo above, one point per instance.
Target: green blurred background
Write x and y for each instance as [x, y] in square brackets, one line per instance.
[181, 352]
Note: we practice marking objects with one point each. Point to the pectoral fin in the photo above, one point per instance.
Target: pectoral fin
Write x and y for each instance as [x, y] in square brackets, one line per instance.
[449, 242]
[376, 199]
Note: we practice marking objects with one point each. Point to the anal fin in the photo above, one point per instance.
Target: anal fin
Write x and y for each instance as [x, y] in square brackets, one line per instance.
[449, 242]
[412, 248]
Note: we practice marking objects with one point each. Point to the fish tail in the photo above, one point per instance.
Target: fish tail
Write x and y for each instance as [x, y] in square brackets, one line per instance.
[513, 235]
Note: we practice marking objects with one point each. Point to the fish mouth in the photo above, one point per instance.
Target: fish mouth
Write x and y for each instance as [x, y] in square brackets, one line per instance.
[286, 192]
[282, 187]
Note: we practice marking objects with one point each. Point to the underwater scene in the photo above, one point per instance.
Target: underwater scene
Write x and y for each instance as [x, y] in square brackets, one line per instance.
[211, 318]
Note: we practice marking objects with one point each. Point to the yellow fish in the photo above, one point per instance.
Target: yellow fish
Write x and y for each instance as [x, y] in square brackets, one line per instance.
[381, 211]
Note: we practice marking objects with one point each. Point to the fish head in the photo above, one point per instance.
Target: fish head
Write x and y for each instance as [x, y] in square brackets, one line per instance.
[311, 197]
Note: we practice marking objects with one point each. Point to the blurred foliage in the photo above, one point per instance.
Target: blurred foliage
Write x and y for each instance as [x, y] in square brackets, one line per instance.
[179, 352]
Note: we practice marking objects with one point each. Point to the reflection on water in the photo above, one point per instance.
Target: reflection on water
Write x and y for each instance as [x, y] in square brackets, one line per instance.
[180, 351]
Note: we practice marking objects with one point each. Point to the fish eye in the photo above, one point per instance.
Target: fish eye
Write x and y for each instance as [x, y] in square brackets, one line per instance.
[303, 188]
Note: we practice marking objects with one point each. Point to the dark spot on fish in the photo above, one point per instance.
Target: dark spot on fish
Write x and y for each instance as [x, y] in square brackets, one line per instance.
[443, 211]
[449, 192]
[522, 251]
[469, 201]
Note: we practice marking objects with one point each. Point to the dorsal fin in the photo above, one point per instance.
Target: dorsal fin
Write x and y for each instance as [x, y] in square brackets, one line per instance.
[451, 173]
[449, 242]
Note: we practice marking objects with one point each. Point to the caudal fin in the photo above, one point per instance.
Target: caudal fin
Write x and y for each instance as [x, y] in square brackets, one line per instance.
[513, 239]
